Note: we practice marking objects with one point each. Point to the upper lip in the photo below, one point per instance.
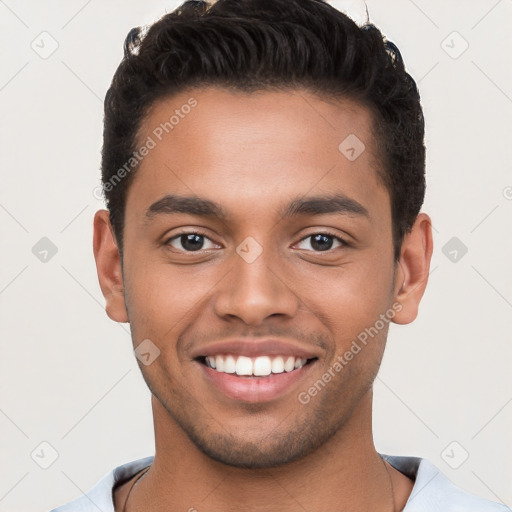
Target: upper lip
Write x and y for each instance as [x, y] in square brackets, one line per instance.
[256, 347]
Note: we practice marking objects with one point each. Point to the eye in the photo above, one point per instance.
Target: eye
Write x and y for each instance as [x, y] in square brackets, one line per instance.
[322, 242]
[189, 242]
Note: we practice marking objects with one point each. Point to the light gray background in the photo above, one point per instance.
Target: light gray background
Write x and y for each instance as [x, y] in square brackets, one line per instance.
[68, 375]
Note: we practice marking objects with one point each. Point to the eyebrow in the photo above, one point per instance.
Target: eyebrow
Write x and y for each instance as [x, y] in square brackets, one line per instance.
[316, 205]
[185, 204]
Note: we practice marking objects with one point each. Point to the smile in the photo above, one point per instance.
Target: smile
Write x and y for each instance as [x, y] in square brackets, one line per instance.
[254, 366]
[254, 379]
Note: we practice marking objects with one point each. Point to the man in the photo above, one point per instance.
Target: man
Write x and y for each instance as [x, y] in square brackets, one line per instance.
[263, 166]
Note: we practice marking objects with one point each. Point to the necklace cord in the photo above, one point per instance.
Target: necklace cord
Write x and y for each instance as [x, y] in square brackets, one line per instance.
[133, 485]
[390, 485]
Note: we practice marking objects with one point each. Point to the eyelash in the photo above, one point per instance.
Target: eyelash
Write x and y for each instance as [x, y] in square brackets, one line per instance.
[198, 233]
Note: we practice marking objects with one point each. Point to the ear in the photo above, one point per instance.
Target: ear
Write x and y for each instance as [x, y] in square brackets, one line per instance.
[413, 269]
[108, 265]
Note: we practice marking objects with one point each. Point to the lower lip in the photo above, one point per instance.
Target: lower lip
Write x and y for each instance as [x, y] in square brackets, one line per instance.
[255, 389]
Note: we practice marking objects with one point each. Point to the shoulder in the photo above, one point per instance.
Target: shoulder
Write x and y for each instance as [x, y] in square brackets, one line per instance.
[434, 492]
[100, 496]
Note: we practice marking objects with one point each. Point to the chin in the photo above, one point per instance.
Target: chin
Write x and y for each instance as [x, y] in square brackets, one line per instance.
[270, 451]
[251, 456]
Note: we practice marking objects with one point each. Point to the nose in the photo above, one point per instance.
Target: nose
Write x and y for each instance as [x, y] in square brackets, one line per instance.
[256, 288]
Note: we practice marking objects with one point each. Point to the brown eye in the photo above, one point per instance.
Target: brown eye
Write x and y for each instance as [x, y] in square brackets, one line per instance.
[322, 242]
[189, 242]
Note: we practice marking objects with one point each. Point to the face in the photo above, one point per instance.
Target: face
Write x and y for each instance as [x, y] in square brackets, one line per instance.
[255, 242]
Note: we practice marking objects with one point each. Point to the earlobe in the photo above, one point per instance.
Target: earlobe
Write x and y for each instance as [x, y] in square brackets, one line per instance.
[413, 269]
[108, 265]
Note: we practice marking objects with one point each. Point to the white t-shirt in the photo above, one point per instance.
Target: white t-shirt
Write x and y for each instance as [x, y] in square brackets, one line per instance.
[432, 491]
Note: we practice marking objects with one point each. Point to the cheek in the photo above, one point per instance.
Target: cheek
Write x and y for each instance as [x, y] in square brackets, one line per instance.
[349, 303]
[163, 299]
[355, 292]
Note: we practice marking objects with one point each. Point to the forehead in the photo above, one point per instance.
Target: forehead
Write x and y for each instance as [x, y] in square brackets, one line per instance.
[256, 149]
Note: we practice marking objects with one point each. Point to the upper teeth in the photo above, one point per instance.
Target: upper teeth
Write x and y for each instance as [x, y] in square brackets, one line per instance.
[259, 366]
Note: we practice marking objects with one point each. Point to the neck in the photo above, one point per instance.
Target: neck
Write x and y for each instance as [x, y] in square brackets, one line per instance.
[346, 473]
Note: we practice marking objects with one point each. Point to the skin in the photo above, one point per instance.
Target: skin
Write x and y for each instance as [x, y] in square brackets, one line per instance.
[253, 154]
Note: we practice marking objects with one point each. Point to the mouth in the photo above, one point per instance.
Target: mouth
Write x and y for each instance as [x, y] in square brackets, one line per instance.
[254, 379]
[261, 366]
